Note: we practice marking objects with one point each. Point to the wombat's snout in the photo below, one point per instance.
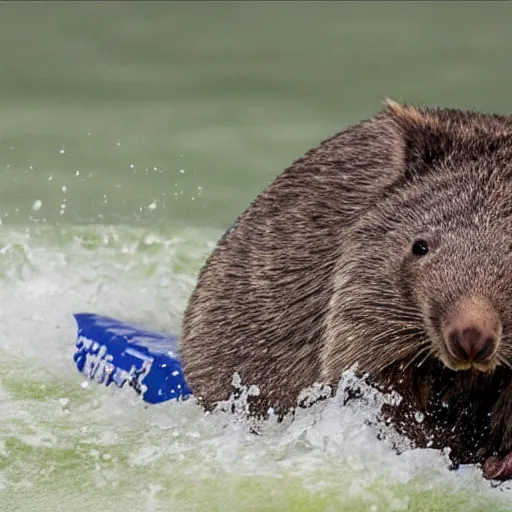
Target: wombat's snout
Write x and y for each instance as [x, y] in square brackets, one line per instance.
[471, 334]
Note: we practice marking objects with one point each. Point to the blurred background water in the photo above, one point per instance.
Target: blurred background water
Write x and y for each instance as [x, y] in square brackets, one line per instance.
[131, 135]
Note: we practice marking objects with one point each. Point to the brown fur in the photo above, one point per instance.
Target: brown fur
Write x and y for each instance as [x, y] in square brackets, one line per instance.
[318, 275]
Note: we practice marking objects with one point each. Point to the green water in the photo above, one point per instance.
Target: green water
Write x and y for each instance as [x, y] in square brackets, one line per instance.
[229, 92]
[131, 135]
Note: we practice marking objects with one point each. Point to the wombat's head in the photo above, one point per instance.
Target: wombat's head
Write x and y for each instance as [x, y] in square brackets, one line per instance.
[426, 272]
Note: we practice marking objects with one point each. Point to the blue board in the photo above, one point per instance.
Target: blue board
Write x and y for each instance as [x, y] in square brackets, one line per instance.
[110, 351]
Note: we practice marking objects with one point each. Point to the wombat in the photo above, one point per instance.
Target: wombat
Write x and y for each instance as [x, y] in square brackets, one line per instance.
[387, 248]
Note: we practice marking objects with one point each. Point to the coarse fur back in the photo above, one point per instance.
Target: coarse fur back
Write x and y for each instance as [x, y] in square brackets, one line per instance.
[318, 275]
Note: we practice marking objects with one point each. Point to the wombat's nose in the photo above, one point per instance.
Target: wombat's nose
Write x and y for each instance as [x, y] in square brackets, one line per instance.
[472, 332]
[472, 344]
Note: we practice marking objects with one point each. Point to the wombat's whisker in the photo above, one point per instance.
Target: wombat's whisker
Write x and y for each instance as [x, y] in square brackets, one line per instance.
[397, 335]
[388, 311]
[401, 354]
[407, 345]
[385, 314]
[401, 351]
[430, 353]
[504, 360]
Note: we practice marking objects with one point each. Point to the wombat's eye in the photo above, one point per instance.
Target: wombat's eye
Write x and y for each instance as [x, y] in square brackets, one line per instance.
[420, 248]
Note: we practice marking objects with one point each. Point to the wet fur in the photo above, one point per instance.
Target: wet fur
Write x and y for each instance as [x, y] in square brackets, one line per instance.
[318, 276]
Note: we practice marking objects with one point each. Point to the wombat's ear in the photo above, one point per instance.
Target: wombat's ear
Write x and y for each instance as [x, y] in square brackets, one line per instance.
[424, 140]
[408, 116]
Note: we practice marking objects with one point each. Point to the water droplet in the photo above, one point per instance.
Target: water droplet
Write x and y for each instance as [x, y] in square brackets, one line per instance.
[37, 205]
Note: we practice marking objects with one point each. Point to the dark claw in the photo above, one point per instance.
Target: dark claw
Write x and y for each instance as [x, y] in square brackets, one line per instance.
[498, 469]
